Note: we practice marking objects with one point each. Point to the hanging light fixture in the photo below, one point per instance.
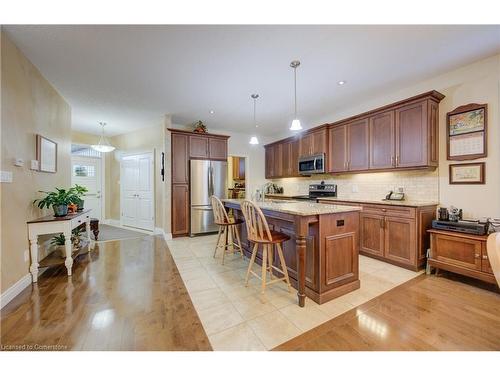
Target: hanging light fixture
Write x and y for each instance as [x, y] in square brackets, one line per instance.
[103, 145]
[254, 140]
[296, 122]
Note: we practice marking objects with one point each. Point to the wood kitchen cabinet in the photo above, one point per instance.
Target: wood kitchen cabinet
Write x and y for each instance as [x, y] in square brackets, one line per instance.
[394, 233]
[461, 253]
[238, 168]
[269, 161]
[180, 206]
[382, 135]
[314, 142]
[186, 145]
[399, 136]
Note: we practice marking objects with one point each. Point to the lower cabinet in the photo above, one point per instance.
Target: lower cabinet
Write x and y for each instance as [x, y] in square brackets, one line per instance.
[400, 240]
[461, 253]
[372, 234]
[180, 209]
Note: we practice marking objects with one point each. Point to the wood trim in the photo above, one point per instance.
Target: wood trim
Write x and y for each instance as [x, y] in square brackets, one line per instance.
[201, 134]
[482, 180]
[463, 109]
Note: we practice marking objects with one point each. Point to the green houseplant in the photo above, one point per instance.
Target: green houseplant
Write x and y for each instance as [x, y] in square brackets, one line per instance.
[79, 192]
[59, 241]
[58, 200]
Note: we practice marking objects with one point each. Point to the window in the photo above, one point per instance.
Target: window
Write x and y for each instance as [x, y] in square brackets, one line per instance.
[83, 170]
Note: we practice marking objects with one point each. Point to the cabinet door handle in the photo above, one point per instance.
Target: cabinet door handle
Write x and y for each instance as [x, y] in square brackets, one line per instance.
[392, 160]
[397, 160]
[476, 256]
[485, 257]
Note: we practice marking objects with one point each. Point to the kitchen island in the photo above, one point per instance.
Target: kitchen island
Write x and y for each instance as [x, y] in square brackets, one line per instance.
[322, 253]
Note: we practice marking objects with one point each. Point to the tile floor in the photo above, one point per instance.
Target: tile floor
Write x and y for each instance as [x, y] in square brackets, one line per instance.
[236, 317]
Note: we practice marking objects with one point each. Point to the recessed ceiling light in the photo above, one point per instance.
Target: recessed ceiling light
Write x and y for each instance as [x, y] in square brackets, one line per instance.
[341, 83]
[212, 111]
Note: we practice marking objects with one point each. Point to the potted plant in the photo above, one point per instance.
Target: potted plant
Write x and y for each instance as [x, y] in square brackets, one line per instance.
[58, 200]
[59, 241]
[79, 192]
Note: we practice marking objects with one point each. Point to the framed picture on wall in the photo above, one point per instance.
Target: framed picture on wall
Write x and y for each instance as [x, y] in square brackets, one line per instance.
[467, 132]
[46, 154]
[467, 173]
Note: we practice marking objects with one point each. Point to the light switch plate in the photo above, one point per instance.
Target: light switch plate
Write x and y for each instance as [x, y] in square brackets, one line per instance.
[355, 189]
[5, 176]
[34, 165]
[19, 162]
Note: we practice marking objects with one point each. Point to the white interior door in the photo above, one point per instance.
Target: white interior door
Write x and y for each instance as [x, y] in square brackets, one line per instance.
[86, 171]
[137, 191]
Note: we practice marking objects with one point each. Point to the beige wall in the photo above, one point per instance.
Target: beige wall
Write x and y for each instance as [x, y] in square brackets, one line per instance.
[30, 106]
[475, 83]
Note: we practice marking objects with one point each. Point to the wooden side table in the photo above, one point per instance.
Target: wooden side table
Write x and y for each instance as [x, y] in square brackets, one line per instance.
[51, 224]
[461, 253]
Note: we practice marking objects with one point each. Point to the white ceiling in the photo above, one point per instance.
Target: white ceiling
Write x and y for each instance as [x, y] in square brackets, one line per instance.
[130, 76]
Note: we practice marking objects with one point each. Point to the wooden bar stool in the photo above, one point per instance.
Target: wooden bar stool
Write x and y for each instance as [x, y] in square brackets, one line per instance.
[258, 232]
[227, 229]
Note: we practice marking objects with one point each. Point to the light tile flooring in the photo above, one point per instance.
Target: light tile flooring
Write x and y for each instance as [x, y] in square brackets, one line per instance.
[236, 317]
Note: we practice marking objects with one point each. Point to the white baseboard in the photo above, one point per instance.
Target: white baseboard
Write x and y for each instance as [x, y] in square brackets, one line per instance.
[113, 222]
[14, 290]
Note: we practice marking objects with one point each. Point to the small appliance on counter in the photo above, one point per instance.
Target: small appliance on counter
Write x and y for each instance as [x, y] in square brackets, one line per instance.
[318, 191]
[451, 220]
[394, 196]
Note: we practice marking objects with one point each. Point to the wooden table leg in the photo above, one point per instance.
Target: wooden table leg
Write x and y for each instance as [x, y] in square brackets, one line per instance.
[87, 229]
[34, 258]
[301, 269]
[67, 247]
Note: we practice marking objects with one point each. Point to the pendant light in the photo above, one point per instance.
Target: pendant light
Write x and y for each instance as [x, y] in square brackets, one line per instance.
[296, 122]
[254, 140]
[103, 145]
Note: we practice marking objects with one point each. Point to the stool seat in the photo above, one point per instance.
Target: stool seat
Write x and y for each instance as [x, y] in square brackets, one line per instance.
[231, 222]
[277, 237]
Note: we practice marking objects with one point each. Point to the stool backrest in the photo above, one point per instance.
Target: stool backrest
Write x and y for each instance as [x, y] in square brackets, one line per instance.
[220, 214]
[257, 228]
[493, 249]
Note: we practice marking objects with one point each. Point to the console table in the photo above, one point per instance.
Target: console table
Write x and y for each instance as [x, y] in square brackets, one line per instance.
[51, 224]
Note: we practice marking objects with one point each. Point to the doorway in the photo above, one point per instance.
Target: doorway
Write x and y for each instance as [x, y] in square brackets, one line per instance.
[236, 177]
[137, 201]
[86, 170]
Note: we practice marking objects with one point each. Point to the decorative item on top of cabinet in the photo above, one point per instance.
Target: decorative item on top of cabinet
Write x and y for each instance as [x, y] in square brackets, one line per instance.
[466, 132]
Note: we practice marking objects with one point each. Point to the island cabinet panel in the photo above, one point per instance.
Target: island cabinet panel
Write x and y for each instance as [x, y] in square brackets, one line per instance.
[357, 145]
[180, 148]
[198, 147]
[400, 240]
[412, 135]
[337, 150]
[372, 234]
[382, 140]
[341, 260]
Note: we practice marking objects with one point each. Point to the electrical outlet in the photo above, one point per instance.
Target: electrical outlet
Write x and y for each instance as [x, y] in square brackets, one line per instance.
[355, 189]
[26, 255]
[401, 189]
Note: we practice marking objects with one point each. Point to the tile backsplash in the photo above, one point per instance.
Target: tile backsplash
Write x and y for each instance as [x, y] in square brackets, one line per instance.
[417, 185]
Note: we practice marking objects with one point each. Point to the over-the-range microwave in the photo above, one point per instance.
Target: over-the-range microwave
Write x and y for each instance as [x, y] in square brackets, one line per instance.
[312, 164]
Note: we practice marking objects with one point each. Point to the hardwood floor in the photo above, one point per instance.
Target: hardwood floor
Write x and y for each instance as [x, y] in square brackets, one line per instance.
[426, 313]
[127, 295]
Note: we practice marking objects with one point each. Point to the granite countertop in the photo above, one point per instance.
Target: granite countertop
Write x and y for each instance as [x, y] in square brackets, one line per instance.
[300, 208]
[280, 195]
[406, 203]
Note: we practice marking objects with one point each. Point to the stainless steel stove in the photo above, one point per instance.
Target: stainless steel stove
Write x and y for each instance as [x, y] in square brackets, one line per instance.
[319, 190]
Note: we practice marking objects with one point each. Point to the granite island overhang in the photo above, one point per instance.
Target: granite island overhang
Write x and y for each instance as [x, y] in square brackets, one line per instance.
[322, 255]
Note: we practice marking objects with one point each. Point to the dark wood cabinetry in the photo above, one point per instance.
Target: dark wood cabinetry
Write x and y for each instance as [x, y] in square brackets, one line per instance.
[395, 234]
[314, 142]
[461, 253]
[282, 159]
[382, 135]
[186, 146]
[402, 135]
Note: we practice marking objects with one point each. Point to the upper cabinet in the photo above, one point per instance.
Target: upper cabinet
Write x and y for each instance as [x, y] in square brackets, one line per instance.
[180, 148]
[402, 135]
[314, 142]
[207, 147]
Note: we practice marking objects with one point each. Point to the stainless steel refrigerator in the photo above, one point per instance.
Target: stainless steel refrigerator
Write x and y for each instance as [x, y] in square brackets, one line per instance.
[207, 178]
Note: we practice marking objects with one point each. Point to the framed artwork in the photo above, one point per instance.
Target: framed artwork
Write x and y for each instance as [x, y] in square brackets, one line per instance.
[467, 173]
[46, 154]
[466, 128]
